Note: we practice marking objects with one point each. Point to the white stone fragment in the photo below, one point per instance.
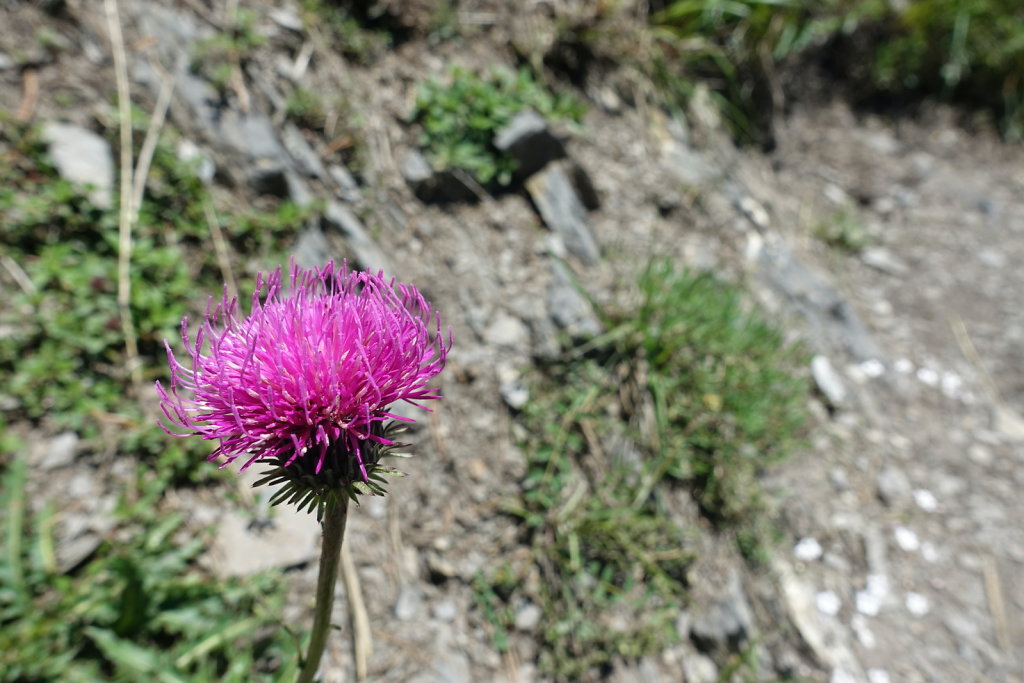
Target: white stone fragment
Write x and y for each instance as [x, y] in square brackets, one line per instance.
[925, 500]
[928, 376]
[951, 384]
[842, 676]
[917, 604]
[907, 539]
[929, 552]
[828, 603]
[865, 636]
[808, 550]
[878, 676]
[873, 368]
[904, 366]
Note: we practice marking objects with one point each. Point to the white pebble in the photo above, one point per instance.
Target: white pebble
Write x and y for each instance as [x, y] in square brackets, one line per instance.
[878, 676]
[917, 604]
[928, 376]
[907, 539]
[925, 500]
[873, 368]
[865, 636]
[929, 552]
[951, 384]
[842, 676]
[903, 366]
[808, 550]
[828, 603]
[868, 603]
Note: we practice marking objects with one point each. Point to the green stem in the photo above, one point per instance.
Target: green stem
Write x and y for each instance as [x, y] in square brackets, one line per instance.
[330, 555]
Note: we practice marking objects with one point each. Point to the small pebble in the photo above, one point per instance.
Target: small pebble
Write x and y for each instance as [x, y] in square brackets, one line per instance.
[903, 366]
[928, 376]
[925, 500]
[878, 676]
[907, 539]
[917, 604]
[865, 636]
[929, 552]
[873, 368]
[828, 603]
[808, 550]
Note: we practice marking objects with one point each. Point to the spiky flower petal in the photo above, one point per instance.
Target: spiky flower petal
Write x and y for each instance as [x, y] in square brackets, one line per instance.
[308, 377]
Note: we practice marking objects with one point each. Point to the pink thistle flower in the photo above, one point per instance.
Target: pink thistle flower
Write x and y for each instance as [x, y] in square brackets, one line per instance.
[308, 377]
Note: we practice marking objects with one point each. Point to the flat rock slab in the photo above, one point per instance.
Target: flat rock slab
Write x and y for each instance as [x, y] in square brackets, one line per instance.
[560, 207]
[84, 158]
[243, 546]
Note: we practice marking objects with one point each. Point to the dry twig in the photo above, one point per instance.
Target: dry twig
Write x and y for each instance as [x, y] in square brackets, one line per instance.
[359, 620]
[126, 213]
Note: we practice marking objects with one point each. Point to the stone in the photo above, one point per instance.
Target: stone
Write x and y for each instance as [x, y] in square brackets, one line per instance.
[883, 260]
[298, 189]
[84, 158]
[430, 185]
[445, 611]
[893, 486]
[305, 157]
[241, 547]
[527, 139]
[808, 550]
[828, 381]
[408, 604]
[528, 617]
[567, 308]
[562, 211]
[727, 625]
[506, 331]
[348, 188]
[700, 668]
[831, 320]
[55, 453]
[510, 384]
[363, 250]
[190, 153]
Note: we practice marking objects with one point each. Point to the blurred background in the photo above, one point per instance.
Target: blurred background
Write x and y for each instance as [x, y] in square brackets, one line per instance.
[736, 383]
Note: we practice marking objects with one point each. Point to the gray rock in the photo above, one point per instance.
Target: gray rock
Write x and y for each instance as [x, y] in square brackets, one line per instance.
[84, 158]
[312, 249]
[510, 385]
[347, 185]
[563, 212]
[727, 625]
[883, 260]
[828, 381]
[506, 331]
[305, 157]
[298, 189]
[566, 306]
[54, 453]
[699, 668]
[286, 539]
[893, 486]
[831, 319]
[528, 617]
[527, 139]
[362, 249]
[438, 186]
[408, 604]
[445, 611]
[251, 135]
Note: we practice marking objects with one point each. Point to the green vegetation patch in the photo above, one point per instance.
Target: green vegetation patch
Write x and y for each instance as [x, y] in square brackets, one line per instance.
[970, 51]
[140, 609]
[689, 393]
[460, 118]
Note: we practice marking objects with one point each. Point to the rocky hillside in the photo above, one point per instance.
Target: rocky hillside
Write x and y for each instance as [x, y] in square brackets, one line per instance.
[884, 547]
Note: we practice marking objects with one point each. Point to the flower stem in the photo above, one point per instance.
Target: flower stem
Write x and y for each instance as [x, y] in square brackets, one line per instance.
[334, 531]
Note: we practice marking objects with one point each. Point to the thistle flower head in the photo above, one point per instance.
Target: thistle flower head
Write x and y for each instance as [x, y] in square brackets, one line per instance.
[305, 381]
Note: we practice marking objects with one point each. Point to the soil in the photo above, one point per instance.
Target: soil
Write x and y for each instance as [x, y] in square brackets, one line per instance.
[904, 553]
